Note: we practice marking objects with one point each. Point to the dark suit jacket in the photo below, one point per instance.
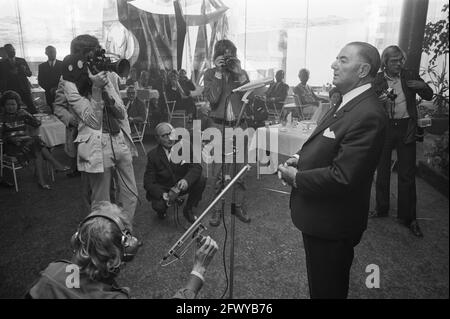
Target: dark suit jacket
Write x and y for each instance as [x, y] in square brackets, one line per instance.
[13, 76]
[381, 85]
[160, 175]
[136, 109]
[48, 77]
[217, 91]
[278, 90]
[335, 174]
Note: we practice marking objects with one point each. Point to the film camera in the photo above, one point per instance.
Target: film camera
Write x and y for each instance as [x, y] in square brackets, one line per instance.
[99, 62]
[232, 64]
[390, 94]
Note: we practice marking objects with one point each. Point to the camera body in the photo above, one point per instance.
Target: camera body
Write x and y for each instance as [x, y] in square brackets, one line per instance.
[100, 62]
[232, 63]
[390, 94]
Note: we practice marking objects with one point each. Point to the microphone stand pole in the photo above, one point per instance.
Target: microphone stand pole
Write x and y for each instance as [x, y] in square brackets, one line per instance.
[233, 196]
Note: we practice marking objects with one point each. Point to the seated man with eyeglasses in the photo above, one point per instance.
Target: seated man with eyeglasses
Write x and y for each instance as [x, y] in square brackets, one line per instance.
[166, 178]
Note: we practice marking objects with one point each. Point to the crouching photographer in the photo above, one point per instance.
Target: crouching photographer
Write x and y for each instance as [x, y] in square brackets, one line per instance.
[90, 87]
[101, 246]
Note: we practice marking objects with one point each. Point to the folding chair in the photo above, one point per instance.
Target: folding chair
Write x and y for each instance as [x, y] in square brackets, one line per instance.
[170, 108]
[9, 162]
[305, 111]
[138, 134]
[179, 114]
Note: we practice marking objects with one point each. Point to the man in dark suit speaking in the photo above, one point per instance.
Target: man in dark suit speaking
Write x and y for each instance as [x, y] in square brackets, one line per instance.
[331, 176]
[49, 74]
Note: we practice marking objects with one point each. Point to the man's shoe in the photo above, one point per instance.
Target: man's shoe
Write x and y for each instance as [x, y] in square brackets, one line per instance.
[242, 215]
[377, 214]
[415, 229]
[216, 218]
[189, 214]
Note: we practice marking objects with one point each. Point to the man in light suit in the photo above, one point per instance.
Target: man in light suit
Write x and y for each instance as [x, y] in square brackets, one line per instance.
[331, 176]
[49, 74]
[104, 138]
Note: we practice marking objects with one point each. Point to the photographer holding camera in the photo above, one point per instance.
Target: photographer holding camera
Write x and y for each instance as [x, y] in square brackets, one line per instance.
[397, 89]
[104, 142]
[226, 106]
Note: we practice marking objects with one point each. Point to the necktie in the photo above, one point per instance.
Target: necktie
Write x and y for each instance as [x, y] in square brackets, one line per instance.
[331, 112]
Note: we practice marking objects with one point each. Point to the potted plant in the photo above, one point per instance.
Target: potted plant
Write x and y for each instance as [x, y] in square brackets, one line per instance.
[436, 44]
[434, 169]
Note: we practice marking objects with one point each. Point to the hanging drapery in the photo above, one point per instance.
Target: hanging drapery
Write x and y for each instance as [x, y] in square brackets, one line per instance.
[181, 32]
[161, 32]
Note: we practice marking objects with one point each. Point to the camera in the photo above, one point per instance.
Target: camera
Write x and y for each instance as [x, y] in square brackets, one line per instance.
[100, 62]
[232, 64]
[390, 94]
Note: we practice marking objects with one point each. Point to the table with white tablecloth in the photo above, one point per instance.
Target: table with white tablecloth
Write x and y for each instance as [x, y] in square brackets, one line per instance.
[52, 131]
[279, 140]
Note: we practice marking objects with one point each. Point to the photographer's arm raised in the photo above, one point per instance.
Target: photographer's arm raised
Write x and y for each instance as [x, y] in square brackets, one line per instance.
[89, 111]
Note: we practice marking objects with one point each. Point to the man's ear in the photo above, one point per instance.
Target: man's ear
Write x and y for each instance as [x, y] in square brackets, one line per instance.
[364, 70]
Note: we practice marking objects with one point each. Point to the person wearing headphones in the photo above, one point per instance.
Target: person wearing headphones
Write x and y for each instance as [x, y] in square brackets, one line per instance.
[101, 246]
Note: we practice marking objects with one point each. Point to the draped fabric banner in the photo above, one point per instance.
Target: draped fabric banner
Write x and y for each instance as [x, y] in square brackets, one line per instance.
[161, 31]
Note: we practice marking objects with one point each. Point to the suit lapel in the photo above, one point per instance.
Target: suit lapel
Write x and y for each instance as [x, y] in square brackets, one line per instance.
[330, 118]
[165, 161]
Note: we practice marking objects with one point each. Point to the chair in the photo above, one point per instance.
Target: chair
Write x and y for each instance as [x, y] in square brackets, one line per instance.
[138, 134]
[13, 164]
[306, 111]
[176, 114]
[9, 162]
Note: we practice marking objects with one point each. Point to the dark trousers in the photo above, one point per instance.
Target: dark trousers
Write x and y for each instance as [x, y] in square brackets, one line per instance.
[194, 191]
[27, 99]
[50, 98]
[406, 163]
[328, 264]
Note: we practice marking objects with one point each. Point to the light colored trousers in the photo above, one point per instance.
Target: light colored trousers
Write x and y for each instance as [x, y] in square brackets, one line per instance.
[115, 156]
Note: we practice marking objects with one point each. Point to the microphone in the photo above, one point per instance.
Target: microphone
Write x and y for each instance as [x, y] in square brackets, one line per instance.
[254, 85]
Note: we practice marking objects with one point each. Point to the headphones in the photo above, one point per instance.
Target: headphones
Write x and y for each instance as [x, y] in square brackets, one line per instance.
[128, 242]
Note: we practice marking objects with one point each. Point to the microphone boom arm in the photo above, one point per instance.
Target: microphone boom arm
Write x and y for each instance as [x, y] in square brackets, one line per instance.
[179, 249]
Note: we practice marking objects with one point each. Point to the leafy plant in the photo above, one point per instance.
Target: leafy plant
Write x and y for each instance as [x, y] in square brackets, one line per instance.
[438, 153]
[436, 44]
[435, 40]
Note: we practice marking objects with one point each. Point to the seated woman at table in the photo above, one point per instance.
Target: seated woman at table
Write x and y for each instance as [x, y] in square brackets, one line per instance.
[17, 140]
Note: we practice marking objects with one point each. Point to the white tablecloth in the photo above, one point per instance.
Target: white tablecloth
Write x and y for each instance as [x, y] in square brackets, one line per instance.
[142, 94]
[52, 131]
[278, 140]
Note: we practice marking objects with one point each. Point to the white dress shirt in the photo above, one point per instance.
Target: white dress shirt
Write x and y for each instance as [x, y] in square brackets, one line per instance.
[354, 93]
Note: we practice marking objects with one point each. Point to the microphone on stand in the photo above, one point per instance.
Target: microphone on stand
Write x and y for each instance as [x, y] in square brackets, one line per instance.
[254, 85]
